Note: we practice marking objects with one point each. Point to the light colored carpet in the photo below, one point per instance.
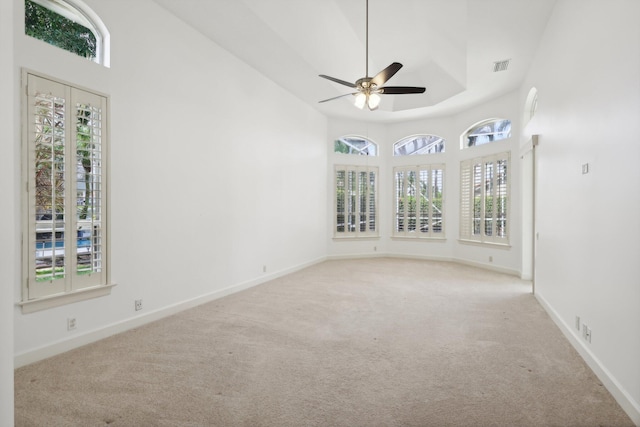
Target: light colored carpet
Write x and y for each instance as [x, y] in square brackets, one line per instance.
[372, 342]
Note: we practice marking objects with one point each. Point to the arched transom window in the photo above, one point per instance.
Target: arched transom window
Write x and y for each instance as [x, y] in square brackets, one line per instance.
[69, 25]
[418, 144]
[485, 132]
[355, 145]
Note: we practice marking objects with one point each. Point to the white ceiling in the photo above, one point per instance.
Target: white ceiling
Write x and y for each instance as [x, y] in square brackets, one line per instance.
[447, 46]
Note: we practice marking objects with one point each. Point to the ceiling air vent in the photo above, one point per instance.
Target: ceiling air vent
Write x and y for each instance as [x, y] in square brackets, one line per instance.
[501, 65]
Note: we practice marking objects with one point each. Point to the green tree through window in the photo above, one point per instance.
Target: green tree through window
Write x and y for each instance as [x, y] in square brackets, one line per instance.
[51, 27]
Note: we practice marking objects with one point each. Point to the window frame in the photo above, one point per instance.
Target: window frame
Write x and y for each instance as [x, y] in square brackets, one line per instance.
[465, 135]
[412, 235]
[468, 198]
[356, 151]
[357, 233]
[78, 11]
[408, 139]
[74, 287]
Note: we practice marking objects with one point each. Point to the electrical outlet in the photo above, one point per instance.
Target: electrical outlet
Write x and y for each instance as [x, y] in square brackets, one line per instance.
[71, 323]
[578, 323]
[138, 304]
[587, 334]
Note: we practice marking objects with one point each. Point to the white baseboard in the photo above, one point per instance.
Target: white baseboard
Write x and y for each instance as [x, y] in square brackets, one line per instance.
[357, 256]
[628, 404]
[491, 267]
[485, 266]
[482, 265]
[89, 337]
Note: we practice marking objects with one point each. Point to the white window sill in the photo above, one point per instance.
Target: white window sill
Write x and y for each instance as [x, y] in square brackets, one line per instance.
[485, 244]
[351, 238]
[65, 298]
[421, 238]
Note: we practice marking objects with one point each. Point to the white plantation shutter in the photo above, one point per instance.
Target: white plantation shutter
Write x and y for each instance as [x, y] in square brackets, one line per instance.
[401, 215]
[88, 199]
[340, 207]
[466, 202]
[501, 199]
[419, 196]
[373, 200]
[65, 199]
[484, 199]
[477, 198]
[356, 201]
[48, 131]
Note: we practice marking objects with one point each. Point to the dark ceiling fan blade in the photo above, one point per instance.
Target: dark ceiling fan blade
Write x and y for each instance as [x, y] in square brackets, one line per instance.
[342, 82]
[386, 74]
[399, 90]
[336, 97]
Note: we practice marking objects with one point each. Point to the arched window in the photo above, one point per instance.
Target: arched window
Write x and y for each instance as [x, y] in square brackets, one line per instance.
[355, 145]
[485, 132]
[70, 25]
[531, 104]
[418, 144]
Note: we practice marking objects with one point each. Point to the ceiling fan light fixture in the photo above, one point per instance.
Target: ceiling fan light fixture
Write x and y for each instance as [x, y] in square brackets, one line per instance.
[368, 88]
[361, 100]
[374, 101]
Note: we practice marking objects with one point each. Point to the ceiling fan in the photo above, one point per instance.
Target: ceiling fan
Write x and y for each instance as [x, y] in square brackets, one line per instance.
[369, 89]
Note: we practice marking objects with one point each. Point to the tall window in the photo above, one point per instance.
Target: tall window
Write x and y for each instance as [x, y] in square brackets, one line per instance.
[356, 201]
[418, 144]
[484, 204]
[65, 247]
[69, 25]
[485, 132]
[419, 192]
[355, 145]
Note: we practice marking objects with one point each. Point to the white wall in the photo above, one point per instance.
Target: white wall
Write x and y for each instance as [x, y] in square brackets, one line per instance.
[587, 73]
[451, 128]
[207, 161]
[8, 246]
